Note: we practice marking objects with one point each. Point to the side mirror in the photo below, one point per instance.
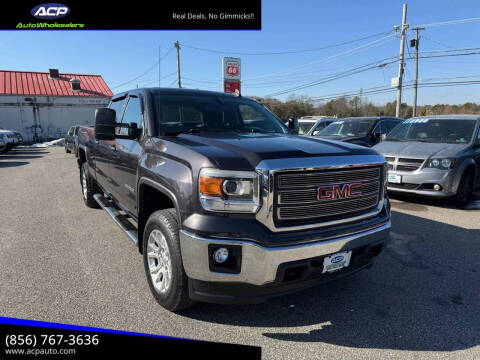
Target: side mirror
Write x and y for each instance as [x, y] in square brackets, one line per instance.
[105, 124]
[293, 125]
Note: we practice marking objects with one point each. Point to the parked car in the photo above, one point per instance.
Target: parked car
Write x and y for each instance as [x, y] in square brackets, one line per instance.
[19, 137]
[320, 125]
[436, 156]
[226, 205]
[306, 123]
[365, 131]
[9, 138]
[71, 143]
[3, 147]
[81, 130]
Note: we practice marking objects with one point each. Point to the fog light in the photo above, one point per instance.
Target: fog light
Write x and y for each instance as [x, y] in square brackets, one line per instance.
[437, 187]
[220, 255]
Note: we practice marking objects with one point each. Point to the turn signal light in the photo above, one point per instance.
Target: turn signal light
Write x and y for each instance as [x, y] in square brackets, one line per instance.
[211, 185]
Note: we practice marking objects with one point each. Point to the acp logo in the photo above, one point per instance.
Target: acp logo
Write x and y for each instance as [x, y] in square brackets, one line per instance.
[50, 11]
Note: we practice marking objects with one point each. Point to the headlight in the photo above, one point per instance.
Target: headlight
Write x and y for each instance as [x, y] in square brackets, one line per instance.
[445, 163]
[229, 191]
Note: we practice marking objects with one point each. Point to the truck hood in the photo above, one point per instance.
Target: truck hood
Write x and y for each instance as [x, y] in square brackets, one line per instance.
[245, 151]
[416, 149]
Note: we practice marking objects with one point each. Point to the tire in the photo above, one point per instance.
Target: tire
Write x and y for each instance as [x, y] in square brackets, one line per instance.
[465, 189]
[161, 245]
[66, 150]
[89, 187]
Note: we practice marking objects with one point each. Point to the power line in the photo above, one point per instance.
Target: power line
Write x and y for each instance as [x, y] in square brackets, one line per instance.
[156, 79]
[377, 64]
[409, 85]
[451, 22]
[329, 58]
[437, 42]
[352, 72]
[284, 52]
[144, 73]
[173, 82]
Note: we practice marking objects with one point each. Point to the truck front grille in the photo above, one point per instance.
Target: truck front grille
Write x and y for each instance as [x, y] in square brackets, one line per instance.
[297, 201]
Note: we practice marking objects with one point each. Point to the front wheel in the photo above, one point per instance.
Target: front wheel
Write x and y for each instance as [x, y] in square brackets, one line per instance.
[163, 261]
[465, 189]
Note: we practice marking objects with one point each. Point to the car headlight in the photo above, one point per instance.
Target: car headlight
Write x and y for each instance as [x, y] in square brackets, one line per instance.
[229, 191]
[445, 163]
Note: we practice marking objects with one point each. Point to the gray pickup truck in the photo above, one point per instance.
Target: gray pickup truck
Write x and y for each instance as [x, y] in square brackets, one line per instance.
[224, 203]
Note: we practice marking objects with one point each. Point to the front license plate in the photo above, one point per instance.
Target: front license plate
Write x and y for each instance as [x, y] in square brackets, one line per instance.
[336, 261]
[394, 178]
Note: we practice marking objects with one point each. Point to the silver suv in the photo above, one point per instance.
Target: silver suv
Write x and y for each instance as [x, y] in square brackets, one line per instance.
[436, 156]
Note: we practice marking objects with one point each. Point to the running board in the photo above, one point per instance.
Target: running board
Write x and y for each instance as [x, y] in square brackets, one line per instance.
[120, 219]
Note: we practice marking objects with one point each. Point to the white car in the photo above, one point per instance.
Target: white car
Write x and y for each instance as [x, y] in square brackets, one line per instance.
[9, 138]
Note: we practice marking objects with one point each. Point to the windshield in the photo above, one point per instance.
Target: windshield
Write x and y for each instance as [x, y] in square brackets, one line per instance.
[304, 126]
[452, 131]
[177, 114]
[347, 128]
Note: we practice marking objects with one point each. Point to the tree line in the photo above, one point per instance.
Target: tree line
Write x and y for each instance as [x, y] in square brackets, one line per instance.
[298, 106]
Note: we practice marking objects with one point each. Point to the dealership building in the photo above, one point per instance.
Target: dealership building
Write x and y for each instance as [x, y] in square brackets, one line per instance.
[44, 105]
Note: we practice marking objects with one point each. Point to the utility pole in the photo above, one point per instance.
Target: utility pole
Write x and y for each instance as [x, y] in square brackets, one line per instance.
[159, 60]
[177, 45]
[416, 41]
[400, 60]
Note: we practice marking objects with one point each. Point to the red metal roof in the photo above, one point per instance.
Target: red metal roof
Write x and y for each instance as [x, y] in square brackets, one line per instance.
[39, 83]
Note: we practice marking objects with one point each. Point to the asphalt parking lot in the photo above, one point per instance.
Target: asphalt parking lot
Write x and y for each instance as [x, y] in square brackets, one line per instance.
[63, 262]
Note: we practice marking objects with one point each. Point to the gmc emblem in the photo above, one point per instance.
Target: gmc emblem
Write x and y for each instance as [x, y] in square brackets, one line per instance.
[343, 191]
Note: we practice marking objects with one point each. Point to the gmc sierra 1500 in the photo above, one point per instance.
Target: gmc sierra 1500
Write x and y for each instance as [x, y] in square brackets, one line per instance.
[225, 204]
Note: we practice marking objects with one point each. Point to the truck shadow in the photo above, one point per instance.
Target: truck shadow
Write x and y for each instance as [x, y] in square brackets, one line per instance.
[422, 294]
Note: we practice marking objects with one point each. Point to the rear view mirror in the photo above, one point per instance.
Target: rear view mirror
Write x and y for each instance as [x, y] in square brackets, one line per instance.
[376, 137]
[293, 125]
[105, 124]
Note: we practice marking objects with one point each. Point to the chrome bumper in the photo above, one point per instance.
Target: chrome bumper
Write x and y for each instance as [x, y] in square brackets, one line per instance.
[260, 264]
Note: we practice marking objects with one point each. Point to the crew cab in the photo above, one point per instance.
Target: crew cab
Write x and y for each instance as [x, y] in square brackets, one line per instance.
[224, 203]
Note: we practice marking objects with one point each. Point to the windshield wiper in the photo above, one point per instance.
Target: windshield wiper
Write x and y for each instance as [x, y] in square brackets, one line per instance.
[253, 130]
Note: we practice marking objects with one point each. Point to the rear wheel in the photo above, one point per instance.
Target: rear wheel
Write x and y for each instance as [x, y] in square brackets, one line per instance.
[163, 261]
[465, 189]
[89, 187]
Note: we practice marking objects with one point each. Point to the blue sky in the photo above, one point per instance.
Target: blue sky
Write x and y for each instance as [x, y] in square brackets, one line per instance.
[120, 56]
